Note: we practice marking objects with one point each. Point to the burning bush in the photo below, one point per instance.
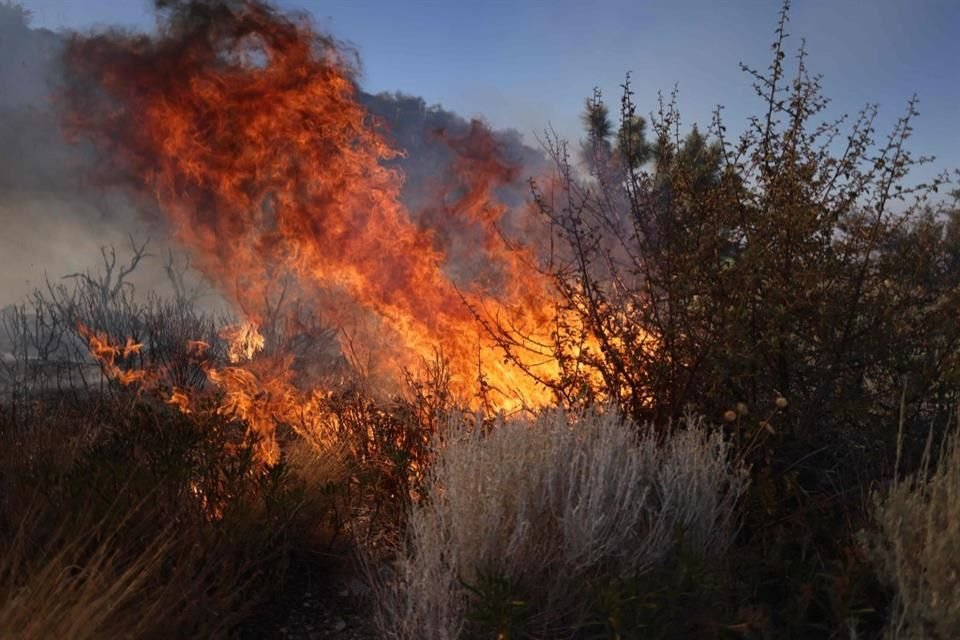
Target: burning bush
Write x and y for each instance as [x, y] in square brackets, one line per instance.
[123, 515]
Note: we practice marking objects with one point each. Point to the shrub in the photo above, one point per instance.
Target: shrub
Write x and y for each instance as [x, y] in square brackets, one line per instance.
[129, 519]
[385, 447]
[915, 546]
[123, 517]
[797, 259]
[519, 521]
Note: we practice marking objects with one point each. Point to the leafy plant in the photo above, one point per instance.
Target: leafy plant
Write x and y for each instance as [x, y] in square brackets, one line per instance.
[496, 609]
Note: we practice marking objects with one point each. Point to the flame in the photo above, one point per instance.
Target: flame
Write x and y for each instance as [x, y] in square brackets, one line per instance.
[243, 127]
[260, 394]
[111, 356]
[180, 399]
[243, 341]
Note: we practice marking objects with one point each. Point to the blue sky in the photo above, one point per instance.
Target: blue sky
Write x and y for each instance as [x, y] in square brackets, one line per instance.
[530, 63]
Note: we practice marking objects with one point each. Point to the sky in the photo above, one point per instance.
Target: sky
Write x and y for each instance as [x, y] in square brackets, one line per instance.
[530, 64]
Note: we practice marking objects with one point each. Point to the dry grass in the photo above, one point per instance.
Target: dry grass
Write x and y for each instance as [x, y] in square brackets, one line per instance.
[96, 579]
[323, 508]
[553, 504]
[916, 548]
[106, 530]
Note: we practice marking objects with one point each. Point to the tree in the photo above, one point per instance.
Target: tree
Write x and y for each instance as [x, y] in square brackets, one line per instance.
[597, 152]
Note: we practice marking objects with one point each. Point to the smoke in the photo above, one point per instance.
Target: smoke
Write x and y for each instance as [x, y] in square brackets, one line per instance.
[434, 143]
[54, 219]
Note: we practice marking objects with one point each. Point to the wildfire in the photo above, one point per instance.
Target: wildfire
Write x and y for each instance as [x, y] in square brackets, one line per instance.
[109, 356]
[243, 342]
[260, 393]
[244, 126]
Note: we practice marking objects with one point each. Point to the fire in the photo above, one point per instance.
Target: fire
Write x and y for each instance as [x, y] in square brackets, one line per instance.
[110, 356]
[243, 342]
[260, 393]
[244, 127]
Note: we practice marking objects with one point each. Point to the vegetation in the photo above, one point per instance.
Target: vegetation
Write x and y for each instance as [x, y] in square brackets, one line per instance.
[791, 285]
[758, 357]
[522, 521]
[914, 547]
[130, 517]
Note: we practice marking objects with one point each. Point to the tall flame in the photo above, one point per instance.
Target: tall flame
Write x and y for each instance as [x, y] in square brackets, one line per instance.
[244, 126]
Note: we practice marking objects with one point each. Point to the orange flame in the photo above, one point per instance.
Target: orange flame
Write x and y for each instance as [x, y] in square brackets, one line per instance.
[109, 356]
[260, 393]
[244, 127]
[243, 342]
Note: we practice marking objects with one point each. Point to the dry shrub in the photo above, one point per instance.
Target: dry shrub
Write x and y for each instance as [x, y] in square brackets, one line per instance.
[801, 258]
[916, 548]
[537, 510]
[384, 443]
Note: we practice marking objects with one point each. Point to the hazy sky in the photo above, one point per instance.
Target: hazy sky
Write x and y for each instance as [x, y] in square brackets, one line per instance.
[530, 63]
